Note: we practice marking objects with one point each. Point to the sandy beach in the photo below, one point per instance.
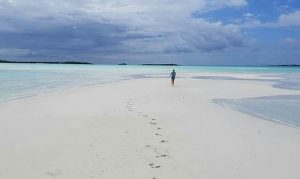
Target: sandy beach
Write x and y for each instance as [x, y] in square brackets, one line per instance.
[146, 129]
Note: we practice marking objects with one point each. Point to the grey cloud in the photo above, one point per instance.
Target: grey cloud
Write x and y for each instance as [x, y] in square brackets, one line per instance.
[291, 43]
[91, 28]
[178, 49]
[82, 37]
[215, 36]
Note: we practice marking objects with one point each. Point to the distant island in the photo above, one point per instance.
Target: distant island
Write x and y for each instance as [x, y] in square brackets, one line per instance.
[163, 64]
[122, 64]
[291, 65]
[46, 62]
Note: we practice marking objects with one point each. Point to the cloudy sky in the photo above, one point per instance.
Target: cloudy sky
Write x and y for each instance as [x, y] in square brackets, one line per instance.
[205, 32]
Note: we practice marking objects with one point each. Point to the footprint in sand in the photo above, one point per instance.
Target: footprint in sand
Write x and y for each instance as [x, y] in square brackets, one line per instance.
[163, 141]
[158, 135]
[153, 166]
[129, 107]
[54, 173]
[152, 123]
[163, 156]
[158, 128]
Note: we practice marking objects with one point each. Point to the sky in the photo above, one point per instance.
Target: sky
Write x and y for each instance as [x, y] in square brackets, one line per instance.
[186, 32]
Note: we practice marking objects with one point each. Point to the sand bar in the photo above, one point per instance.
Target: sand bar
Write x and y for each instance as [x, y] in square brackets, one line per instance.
[144, 128]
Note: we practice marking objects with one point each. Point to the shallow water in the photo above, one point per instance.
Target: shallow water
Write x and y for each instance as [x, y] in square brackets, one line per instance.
[282, 80]
[23, 80]
[284, 109]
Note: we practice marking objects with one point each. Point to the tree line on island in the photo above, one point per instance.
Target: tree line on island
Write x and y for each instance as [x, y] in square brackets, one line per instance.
[146, 64]
[155, 64]
[78, 62]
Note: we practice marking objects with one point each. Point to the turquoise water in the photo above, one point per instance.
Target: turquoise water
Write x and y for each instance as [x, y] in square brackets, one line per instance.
[24, 80]
[284, 109]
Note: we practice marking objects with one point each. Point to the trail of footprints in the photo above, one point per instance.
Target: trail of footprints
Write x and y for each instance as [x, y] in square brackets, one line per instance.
[153, 122]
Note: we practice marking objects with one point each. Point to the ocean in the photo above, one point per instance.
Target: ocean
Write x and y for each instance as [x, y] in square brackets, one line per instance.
[25, 80]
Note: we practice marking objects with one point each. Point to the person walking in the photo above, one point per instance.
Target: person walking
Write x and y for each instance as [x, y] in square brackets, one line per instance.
[172, 75]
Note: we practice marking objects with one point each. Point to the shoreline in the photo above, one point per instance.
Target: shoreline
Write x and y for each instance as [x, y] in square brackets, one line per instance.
[278, 81]
[55, 91]
[273, 79]
[144, 128]
[237, 105]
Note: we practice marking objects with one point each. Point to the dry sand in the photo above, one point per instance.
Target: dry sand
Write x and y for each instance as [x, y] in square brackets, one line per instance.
[146, 129]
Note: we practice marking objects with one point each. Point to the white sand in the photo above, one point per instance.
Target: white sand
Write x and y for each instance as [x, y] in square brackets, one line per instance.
[107, 131]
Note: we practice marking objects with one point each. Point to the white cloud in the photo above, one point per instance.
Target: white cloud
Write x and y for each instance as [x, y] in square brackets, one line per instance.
[119, 26]
[237, 3]
[290, 20]
[252, 23]
[218, 4]
[284, 20]
[248, 15]
[290, 42]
